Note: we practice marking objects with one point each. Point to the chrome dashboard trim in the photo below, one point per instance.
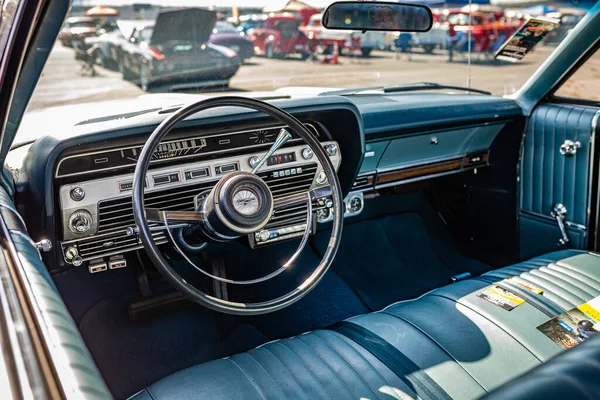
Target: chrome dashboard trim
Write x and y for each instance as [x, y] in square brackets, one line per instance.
[421, 163]
[56, 175]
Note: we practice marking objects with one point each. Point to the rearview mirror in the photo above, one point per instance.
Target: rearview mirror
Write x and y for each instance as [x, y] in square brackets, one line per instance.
[377, 16]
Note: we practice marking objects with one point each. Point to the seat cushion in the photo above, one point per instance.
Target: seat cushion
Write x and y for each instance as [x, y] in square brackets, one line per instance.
[467, 345]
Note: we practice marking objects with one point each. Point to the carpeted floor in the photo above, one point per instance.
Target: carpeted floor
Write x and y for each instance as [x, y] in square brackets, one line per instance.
[397, 257]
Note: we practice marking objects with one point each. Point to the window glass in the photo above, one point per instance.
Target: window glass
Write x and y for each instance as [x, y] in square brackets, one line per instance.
[584, 83]
[145, 34]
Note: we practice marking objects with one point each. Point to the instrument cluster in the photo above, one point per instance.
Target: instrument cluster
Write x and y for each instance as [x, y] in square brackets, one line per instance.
[169, 150]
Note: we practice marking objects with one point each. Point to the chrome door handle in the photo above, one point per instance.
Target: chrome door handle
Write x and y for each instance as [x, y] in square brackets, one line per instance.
[569, 148]
[559, 212]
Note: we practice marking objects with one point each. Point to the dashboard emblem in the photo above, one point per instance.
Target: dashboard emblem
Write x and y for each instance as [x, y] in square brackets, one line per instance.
[245, 202]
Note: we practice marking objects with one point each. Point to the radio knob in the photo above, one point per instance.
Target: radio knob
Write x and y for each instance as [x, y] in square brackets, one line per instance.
[331, 149]
[307, 153]
[253, 161]
[264, 235]
[80, 221]
[77, 194]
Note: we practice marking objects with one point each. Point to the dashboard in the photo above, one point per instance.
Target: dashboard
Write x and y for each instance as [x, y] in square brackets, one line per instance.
[97, 217]
[74, 186]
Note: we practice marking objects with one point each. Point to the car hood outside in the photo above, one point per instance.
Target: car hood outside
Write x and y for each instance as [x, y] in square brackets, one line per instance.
[190, 25]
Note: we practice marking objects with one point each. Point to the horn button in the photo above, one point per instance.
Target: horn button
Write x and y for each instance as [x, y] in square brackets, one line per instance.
[239, 204]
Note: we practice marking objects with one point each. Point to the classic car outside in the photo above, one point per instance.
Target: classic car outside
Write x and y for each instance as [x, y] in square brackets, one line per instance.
[278, 35]
[110, 43]
[488, 31]
[77, 29]
[224, 34]
[368, 234]
[169, 52]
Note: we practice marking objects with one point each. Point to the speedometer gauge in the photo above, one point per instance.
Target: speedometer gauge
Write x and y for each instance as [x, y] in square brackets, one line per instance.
[178, 148]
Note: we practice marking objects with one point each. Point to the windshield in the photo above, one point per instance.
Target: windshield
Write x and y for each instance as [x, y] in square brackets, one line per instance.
[279, 47]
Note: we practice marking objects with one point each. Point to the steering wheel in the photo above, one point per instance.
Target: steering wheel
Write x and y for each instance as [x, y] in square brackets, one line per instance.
[240, 203]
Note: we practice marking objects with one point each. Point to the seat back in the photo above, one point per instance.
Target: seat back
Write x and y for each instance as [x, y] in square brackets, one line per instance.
[572, 374]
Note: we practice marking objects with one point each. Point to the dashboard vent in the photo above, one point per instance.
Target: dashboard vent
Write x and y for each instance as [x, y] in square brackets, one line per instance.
[117, 214]
[106, 245]
[286, 185]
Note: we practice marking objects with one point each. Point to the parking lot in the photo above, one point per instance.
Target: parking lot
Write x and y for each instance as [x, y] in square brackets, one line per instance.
[62, 82]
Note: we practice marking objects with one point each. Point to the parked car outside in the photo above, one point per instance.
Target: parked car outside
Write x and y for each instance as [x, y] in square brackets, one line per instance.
[347, 40]
[437, 37]
[225, 34]
[110, 42]
[278, 35]
[77, 29]
[180, 57]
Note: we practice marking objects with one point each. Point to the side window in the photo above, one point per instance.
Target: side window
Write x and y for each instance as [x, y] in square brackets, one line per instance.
[583, 84]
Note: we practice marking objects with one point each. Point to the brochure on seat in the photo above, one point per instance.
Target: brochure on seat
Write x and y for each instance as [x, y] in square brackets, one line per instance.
[574, 326]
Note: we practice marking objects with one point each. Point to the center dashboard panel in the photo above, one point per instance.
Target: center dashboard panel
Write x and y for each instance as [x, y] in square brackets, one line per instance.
[96, 215]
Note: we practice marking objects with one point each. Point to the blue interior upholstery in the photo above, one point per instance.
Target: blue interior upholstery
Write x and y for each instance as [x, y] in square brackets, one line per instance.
[468, 346]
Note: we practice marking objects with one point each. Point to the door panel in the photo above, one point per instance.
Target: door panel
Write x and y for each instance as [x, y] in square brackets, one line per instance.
[549, 177]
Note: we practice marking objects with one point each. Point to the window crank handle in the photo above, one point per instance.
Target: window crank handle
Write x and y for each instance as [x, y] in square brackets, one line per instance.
[559, 212]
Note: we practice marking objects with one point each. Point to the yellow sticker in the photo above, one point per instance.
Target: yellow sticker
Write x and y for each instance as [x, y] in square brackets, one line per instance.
[591, 308]
[501, 297]
[518, 281]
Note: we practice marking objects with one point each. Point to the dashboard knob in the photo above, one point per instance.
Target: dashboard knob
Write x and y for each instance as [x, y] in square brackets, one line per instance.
[331, 149]
[321, 178]
[264, 235]
[71, 253]
[77, 194]
[77, 261]
[80, 221]
[253, 161]
[307, 153]
[355, 204]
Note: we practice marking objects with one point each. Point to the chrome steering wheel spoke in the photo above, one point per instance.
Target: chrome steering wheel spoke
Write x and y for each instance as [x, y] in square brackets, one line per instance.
[291, 200]
[190, 217]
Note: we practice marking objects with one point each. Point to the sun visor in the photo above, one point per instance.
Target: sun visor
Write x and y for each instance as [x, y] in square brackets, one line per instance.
[183, 25]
